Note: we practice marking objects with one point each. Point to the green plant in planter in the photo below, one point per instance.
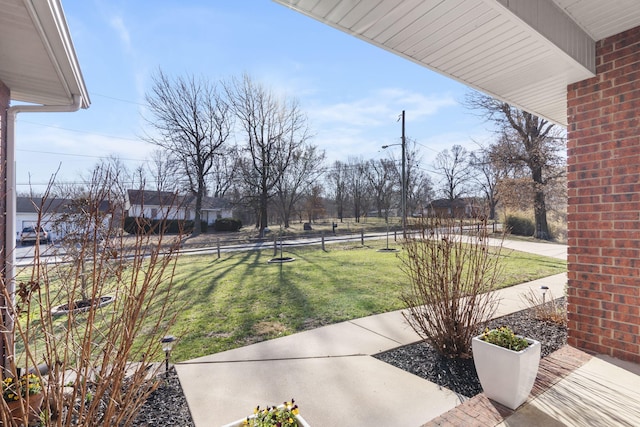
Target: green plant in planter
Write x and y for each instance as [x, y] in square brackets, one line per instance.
[504, 337]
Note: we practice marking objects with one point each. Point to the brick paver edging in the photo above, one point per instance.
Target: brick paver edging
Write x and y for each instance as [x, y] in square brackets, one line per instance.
[479, 411]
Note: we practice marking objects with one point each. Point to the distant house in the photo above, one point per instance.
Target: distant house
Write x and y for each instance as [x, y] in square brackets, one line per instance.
[166, 204]
[51, 213]
[457, 208]
[28, 209]
[154, 205]
[213, 208]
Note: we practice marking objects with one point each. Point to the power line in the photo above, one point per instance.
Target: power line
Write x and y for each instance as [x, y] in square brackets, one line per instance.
[119, 99]
[81, 131]
[78, 155]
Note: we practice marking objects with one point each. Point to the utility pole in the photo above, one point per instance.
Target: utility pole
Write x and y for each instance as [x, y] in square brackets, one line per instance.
[404, 181]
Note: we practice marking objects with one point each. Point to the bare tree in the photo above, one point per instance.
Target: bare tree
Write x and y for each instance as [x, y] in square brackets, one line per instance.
[358, 186]
[527, 140]
[418, 182]
[273, 129]
[303, 171]
[313, 206]
[337, 178]
[224, 172]
[487, 177]
[381, 174]
[420, 193]
[453, 167]
[163, 168]
[191, 121]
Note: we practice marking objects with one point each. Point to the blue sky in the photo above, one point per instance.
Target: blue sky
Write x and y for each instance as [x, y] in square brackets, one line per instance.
[351, 91]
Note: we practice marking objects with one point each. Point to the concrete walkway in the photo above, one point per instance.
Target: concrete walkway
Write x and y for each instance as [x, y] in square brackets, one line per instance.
[334, 379]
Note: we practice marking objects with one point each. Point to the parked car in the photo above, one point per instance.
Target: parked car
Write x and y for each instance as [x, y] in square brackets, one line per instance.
[29, 235]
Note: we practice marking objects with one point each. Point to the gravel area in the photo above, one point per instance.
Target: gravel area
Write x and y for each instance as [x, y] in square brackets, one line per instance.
[167, 406]
[459, 375]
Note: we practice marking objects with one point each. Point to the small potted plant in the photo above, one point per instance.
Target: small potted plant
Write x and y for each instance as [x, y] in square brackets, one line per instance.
[285, 415]
[23, 393]
[507, 365]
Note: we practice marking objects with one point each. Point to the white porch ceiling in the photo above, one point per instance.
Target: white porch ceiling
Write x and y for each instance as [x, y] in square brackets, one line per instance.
[525, 52]
[37, 59]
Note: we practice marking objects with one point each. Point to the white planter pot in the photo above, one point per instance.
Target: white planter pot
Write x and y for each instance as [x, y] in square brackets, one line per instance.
[239, 423]
[506, 376]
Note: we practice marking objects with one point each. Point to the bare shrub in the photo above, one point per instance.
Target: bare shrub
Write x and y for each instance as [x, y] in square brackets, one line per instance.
[545, 307]
[98, 360]
[452, 272]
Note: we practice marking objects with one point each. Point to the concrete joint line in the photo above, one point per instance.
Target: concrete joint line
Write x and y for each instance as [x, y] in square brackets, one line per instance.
[278, 359]
[377, 333]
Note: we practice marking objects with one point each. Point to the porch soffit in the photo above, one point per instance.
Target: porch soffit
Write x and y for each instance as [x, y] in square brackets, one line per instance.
[525, 52]
[39, 64]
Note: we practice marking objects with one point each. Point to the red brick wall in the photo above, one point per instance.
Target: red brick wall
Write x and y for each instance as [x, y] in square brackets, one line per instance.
[604, 202]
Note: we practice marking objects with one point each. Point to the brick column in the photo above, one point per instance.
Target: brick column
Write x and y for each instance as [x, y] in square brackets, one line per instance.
[604, 202]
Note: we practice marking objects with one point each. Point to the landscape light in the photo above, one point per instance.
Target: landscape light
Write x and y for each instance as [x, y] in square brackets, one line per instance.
[167, 346]
[544, 292]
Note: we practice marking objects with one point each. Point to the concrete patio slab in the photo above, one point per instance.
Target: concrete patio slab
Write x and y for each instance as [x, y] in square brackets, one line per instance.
[358, 391]
[340, 339]
[598, 393]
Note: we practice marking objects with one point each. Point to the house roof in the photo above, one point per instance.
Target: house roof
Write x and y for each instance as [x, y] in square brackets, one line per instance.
[209, 203]
[34, 205]
[54, 205]
[39, 63]
[168, 198]
[152, 198]
[524, 52]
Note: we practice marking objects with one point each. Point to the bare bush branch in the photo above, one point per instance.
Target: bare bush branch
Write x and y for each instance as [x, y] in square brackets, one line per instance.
[451, 279]
[546, 308]
[98, 359]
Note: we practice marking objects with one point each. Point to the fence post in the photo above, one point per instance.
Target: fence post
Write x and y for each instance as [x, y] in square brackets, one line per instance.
[362, 237]
[322, 240]
[275, 246]
[218, 248]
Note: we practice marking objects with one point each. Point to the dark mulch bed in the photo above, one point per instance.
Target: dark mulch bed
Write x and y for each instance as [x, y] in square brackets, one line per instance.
[459, 375]
[167, 406]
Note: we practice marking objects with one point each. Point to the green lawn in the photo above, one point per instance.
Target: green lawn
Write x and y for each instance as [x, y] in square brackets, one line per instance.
[241, 299]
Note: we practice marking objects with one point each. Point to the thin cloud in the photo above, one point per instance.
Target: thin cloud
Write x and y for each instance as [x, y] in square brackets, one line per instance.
[117, 23]
[380, 107]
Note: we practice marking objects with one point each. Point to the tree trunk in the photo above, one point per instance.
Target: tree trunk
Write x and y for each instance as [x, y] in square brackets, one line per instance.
[540, 210]
[197, 221]
[539, 205]
[263, 211]
[492, 209]
[197, 224]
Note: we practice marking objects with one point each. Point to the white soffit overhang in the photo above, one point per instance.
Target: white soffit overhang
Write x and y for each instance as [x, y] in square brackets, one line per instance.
[525, 52]
[37, 60]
